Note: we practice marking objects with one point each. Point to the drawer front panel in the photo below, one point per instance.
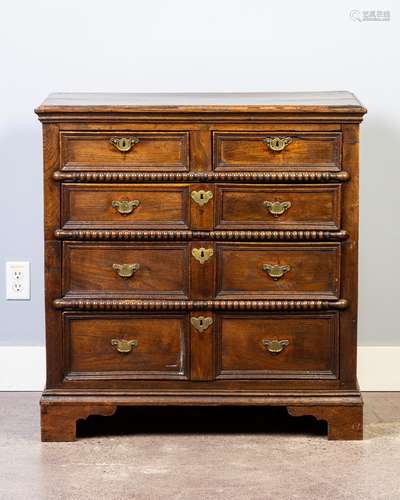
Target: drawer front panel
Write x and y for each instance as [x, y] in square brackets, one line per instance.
[126, 270]
[267, 271]
[241, 150]
[153, 151]
[125, 206]
[277, 346]
[117, 346]
[280, 207]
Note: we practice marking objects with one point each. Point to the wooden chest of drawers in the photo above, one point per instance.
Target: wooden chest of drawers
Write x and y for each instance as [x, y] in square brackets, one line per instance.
[201, 250]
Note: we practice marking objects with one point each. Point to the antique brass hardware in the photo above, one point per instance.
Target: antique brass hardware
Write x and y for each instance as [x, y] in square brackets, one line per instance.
[124, 144]
[201, 323]
[201, 197]
[123, 345]
[125, 270]
[275, 271]
[277, 143]
[202, 254]
[125, 207]
[277, 208]
[275, 346]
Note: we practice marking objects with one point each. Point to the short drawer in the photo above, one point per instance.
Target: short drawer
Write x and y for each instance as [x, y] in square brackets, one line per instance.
[125, 347]
[125, 206]
[278, 207]
[273, 271]
[126, 270]
[128, 150]
[274, 151]
[298, 346]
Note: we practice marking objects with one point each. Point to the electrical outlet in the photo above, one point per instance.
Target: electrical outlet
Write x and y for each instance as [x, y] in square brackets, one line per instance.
[18, 280]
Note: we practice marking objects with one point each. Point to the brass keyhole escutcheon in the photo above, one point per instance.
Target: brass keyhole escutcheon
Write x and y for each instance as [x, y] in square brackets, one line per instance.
[126, 270]
[124, 346]
[201, 323]
[277, 143]
[201, 197]
[277, 208]
[125, 207]
[276, 271]
[124, 144]
[202, 254]
[275, 346]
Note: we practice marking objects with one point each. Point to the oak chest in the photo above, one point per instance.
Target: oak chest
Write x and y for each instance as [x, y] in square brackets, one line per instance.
[201, 249]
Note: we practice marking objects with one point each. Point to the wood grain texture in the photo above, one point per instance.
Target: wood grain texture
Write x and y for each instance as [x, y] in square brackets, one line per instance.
[314, 270]
[248, 151]
[91, 206]
[212, 143]
[311, 207]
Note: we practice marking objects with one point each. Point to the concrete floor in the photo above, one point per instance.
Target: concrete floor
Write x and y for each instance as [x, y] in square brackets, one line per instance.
[199, 453]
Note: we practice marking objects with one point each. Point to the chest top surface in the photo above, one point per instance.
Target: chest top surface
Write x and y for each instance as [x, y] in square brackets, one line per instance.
[261, 102]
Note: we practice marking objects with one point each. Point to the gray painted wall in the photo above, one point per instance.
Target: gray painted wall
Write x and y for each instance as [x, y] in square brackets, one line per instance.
[228, 45]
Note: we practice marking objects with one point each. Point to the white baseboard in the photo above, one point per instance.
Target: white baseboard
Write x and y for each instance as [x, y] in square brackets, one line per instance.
[22, 368]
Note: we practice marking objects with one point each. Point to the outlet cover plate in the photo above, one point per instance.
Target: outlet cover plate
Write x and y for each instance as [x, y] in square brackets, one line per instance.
[18, 280]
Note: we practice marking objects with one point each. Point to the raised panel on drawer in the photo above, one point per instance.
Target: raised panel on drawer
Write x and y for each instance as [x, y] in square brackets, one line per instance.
[311, 350]
[245, 207]
[161, 350]
[155, 151]
[314, 270]
[88, 270]
[93, 206]
[247, 150]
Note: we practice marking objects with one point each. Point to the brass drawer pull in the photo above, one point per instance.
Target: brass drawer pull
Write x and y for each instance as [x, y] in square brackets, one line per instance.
[277, 208]
[123, 345]
[201, 197]
[275, 271]
[202, 254]
[126, 270]
[201, 323]
[124, 144]
[125, 207]
[275, 346]
[277, 143]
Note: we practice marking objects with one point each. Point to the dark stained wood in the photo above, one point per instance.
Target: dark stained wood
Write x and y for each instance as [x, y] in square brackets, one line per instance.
[161, 351]
[312, 207]
[314, 270]
[248, 151]
[209, 142]
[344, 422]
[163, 272]
[91, 206]
[155, 151]
[311, 351]
[251, 102]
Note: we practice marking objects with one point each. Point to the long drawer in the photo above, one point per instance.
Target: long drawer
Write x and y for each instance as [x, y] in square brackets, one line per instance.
[279, 207]
[126, 270]
[125, 206]
[125, 151]
[277, 346]
[283, 270]
[276, 151]
[125, 347]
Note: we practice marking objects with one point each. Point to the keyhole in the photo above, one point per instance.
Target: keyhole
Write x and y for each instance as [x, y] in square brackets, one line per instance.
[201, 323]
[202, 253]
[202, 196]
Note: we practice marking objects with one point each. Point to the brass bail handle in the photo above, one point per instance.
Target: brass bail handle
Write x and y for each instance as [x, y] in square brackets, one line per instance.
[125, 207]
[276, 271]
[126, 270]
[275, 143]
[277, 208]
[275, 346]
[124, 144]
[123, 345]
